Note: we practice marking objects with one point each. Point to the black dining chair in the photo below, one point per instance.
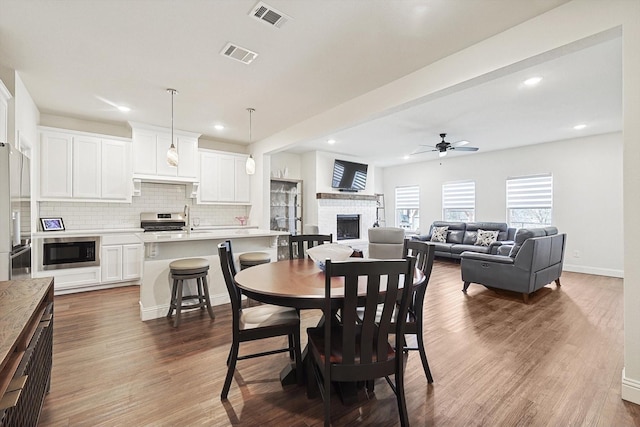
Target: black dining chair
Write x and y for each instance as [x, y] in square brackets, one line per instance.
[358, 349]
[424, 253]
[300, 242]
[255, 323]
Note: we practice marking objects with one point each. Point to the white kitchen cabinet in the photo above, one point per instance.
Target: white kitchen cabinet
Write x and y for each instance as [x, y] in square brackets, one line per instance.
[82, 166]
[87, 165]
[56, 165]
[120, 258]
[150, 146]
[223, 178]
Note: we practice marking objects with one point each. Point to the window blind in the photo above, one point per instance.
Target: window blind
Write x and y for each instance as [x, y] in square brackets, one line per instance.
[408, 197]
[530, 192]
[459, 195]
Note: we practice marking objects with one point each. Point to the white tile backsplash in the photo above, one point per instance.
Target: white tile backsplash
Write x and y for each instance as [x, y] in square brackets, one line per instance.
[155, 197]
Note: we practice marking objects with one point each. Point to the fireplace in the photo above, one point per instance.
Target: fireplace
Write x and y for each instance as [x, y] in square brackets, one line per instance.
[348, 227]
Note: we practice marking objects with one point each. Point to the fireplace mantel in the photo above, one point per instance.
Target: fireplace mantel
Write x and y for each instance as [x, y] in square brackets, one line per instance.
[346, 196]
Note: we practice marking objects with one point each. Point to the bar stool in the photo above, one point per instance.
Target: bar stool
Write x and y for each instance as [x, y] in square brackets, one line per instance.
[181, 270]
[249, 259]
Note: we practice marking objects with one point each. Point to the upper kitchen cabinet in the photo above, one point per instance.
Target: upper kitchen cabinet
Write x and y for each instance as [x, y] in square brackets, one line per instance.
[81, 166]
[150, 145]
[223, 178]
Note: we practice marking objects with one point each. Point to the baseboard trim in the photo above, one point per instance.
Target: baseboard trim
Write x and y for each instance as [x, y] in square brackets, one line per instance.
[609, 272]
[630, 389]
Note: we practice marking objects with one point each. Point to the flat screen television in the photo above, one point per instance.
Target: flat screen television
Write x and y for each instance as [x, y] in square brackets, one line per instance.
[349, 176]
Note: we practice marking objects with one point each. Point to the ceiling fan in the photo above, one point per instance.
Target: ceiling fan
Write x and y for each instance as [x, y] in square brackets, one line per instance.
[443, 146]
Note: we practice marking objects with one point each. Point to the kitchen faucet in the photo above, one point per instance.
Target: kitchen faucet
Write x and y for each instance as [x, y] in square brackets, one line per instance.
[187, 217]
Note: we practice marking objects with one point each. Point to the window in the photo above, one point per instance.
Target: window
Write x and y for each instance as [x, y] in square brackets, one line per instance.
[459, 201]
[529, 201]
[408, 207]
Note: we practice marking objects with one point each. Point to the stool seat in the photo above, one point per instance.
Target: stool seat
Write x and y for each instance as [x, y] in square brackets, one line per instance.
[184, 269]
[249, 259]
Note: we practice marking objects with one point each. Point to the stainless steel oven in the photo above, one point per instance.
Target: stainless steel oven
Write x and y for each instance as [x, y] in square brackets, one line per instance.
[70, 252]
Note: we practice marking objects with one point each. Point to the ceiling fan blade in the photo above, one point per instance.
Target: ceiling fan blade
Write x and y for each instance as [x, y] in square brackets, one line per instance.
[420, 151]
[465, 148]
[460, 143]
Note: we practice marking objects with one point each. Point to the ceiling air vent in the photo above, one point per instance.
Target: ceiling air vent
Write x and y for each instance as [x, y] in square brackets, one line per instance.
[238, 53]
[267, 14]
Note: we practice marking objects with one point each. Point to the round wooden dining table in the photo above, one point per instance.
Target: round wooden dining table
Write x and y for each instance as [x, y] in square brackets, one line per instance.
[297, 283]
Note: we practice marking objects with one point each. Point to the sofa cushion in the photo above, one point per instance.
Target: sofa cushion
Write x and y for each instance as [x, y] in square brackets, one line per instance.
[455, 236]
[486, 237]
[501, 227]
[439, 234]
[469, 237]
[458, 249]
[443, 247]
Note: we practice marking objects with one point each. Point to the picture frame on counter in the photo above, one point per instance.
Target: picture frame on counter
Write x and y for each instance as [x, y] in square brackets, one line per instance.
[52, 224]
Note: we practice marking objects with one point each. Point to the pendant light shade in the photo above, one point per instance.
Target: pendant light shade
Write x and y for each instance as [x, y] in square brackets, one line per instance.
[251, 163]
[172, 153]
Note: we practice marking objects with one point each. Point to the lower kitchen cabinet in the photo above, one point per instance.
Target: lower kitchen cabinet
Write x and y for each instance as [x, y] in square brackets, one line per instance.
[120, 262]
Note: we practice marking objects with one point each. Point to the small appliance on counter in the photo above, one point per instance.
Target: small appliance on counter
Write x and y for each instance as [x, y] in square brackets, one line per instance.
[15, 214]
[159, 222]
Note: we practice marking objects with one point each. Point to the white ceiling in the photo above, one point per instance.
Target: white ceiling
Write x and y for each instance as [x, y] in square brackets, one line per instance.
[77, 57]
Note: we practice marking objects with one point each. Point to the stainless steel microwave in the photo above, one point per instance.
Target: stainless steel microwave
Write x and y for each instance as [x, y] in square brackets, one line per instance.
[70, 252]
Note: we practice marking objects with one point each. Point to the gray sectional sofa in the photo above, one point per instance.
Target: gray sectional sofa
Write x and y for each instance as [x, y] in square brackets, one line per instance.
[534, 260]
[463, 236]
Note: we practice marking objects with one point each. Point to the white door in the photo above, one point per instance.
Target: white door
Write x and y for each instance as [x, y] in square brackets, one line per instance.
[144, 152]
[111, 263]
[86, 167]
[131, 262]
[55, 165]
[209, 165]
[242, 181]
[116, 174]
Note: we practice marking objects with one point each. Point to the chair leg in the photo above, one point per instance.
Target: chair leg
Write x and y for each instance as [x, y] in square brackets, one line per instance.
[201, 300]
[298, 359]
[402, 404]
[421, 350]
[525, 298]
[176, 321]
[465, 287]
[231, 362]
[558, 282]
[172, 303]
[207, 299]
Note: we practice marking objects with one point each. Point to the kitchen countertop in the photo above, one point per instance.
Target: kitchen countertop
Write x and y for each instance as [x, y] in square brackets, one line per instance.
[103, 231]
[208, 234]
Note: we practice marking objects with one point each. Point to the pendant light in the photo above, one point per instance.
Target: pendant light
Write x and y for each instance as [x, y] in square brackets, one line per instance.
[251, 164]
[172, 153]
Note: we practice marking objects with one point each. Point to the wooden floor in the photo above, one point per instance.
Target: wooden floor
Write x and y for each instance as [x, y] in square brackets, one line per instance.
[496, 362]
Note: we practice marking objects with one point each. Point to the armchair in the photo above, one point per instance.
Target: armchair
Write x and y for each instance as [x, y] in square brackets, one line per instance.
[533, 261]
[386, 242]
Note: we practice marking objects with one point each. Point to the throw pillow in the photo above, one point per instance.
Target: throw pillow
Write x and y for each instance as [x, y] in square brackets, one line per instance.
[485, 238]
[439, 234]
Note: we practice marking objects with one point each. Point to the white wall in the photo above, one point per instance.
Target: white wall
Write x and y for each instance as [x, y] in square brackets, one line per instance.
[288, 164]
[587, 185]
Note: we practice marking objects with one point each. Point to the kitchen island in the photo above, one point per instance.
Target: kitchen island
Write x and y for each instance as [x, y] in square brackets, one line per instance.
[160, 249]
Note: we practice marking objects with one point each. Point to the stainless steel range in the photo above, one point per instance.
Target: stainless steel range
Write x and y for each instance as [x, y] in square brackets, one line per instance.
[157, 222]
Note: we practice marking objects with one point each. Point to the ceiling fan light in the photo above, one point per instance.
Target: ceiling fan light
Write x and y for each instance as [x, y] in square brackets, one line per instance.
[442, 153]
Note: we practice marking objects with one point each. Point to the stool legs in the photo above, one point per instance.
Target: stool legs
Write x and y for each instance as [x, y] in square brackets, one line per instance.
[176, 321]
[177, 297]
[206, 297]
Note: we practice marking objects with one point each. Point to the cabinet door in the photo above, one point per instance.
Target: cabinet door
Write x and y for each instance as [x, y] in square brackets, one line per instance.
[131, 262]
[111, 263]
[209, 183]
[144, 152]
[87, 162]
[242, 181]
[55, 165]
[187, 157]
[116, 173]
[163, 144]
[226, 178]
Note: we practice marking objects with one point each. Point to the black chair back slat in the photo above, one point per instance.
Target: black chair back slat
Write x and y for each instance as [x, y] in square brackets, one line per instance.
[300, 242]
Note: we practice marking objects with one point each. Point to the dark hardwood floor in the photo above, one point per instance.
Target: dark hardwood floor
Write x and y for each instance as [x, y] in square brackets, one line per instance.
[496, 362]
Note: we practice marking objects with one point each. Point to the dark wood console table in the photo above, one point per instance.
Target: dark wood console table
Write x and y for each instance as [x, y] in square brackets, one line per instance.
[26, 349]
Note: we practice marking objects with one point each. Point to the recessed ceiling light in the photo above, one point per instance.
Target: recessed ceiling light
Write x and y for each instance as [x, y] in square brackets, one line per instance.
[331, 141]
[123, 108]
[580, 126]
[219, 127]
[533, 81]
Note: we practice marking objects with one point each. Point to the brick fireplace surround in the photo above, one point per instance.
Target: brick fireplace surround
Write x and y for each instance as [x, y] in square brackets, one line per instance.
[330, 205]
